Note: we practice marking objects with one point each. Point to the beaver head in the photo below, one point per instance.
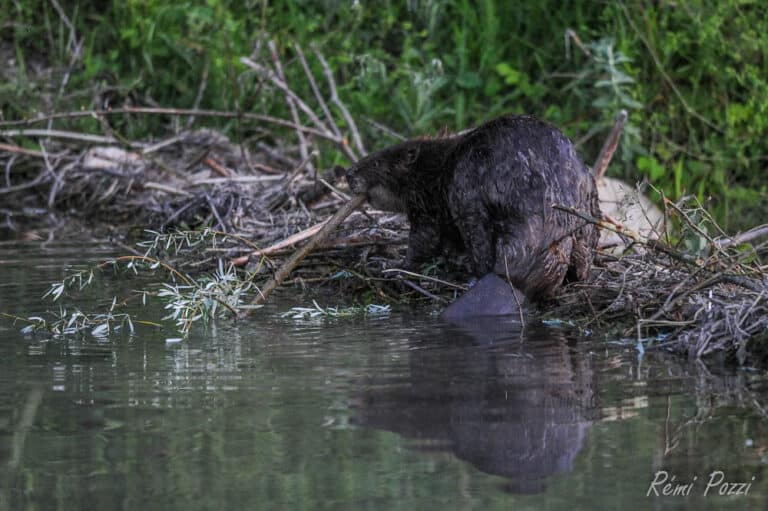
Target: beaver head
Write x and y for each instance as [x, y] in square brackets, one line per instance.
[384, 175]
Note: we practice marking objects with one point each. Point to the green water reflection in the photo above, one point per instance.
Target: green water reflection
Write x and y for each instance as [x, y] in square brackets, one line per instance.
[397, 413]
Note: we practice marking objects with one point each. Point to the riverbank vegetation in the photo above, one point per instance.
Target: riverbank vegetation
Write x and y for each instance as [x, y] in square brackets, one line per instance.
[692, 75]
[233, 119]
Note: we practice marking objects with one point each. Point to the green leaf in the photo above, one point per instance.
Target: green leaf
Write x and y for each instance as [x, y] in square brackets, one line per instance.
[737, 113]
[492, 87]
[511, 76]
[651, 167]
[469, 80]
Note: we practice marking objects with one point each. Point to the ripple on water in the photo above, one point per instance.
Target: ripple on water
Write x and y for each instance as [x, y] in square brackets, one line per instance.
[401, 412]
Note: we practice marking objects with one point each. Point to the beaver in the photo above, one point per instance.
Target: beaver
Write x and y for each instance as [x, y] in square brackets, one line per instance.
[490, 191]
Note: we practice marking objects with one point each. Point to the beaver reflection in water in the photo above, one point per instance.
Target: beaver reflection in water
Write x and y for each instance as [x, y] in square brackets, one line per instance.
[490, 191]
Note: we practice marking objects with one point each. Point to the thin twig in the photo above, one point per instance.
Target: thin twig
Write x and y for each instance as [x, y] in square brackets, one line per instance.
[65, 19]
[288, 178]
[200, 92]
[698, 230]
[167, 189]
[335, 99]
[385, 129]
[216, 166]
[163, 143]
[41, 178]
[514, 292]
[8, 167]
[316, 90]
[651, 243]
[290, 98]
[20, 150]
[71, 135]
[423, 291]
[171, 111]
[236, 179]
[571, 35]
[334, 190]
[426, 277]
[215, 212]
[278, 80]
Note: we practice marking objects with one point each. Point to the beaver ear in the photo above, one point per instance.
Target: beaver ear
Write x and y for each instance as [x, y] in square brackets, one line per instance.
[410, 156]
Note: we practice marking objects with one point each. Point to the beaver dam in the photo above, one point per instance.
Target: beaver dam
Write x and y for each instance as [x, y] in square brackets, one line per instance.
[688, 287]
[220, 219]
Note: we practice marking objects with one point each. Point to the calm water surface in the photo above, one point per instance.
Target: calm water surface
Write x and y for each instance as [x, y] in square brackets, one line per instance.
[397, 413]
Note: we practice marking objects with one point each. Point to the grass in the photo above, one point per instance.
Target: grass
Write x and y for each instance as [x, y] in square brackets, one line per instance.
[692, 76]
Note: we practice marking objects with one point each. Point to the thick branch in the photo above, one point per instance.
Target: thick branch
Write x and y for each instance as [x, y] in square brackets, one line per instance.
[300, 254]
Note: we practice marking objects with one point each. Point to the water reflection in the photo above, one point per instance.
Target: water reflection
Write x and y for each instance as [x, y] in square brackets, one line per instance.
[257, 414]
[512, 407]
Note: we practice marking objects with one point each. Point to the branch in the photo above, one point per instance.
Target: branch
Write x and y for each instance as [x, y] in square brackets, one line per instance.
[300, 254]
[95, 139]
[174, 111]
[278, 80]
[650, 243]
[609, 147]
[744, 237]
[292, 101]
[335, 98]
[20, 150]
[316, 90]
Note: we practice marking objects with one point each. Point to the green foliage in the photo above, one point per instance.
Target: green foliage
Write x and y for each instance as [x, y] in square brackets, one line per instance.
[692, 75]
[317, 312]
[187, 300]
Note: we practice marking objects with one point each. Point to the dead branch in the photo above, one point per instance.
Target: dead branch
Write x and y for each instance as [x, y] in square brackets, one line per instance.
[287, 242]
[609, 147]
[650, 243]
[169, 111]
[745, 237]
[335, 99]
[20, 150]
[70, 135]
[300, 254]
[292, 101]
[316, 90]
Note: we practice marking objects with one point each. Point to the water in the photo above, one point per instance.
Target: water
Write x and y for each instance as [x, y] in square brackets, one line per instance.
[395, 413]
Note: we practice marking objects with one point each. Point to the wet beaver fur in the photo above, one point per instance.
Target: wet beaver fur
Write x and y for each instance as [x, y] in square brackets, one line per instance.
[490, 191]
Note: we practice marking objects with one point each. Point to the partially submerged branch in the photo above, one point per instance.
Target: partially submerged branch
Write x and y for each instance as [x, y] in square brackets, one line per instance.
[300, 254]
